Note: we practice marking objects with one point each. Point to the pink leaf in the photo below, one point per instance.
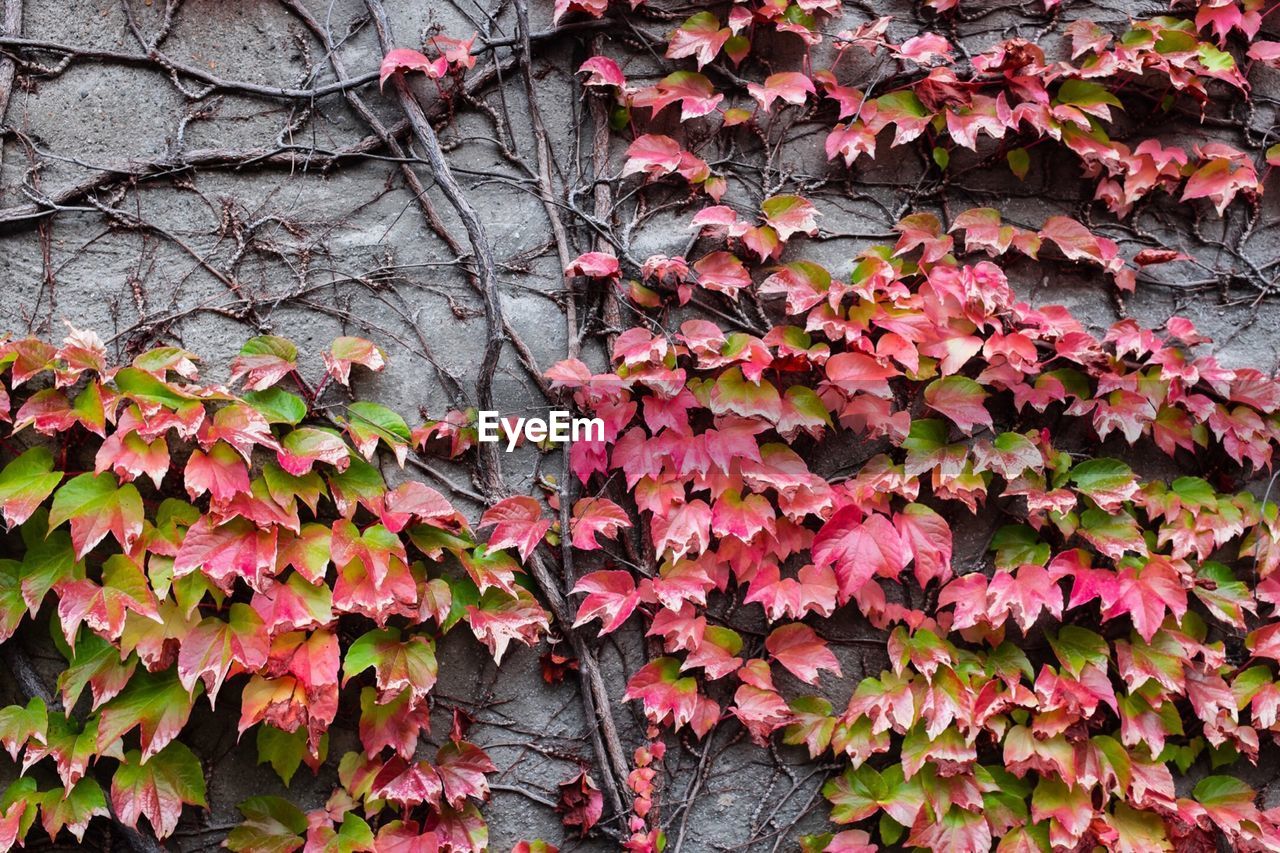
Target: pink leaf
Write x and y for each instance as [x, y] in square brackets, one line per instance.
[405, 59]
[517, 522]
[801, 651]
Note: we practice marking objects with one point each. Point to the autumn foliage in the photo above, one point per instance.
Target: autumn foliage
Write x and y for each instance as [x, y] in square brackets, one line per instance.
[1096, 677]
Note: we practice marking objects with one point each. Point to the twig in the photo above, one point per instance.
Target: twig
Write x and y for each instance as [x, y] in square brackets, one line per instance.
[542, 146]
[489, 469]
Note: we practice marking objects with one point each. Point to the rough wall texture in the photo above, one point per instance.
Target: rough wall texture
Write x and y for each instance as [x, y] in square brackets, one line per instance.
[204, 205]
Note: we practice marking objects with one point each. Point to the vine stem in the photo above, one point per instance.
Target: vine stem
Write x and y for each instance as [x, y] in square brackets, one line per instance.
[595, 694]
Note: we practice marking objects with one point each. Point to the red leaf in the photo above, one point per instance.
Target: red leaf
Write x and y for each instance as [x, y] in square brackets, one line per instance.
[237, 549]
[612, 596]
[594, 265]
[518, 522]
[596, 516]
[960, 399]
[801, 651]
[462, 767]
[581, 803]
[654, 154]
[791, 86]
[604, 72]
[664, 693]
[928, 536]
[858, 549]
[346, 351]
[221, 473]
[404, 59]
[1022, 595]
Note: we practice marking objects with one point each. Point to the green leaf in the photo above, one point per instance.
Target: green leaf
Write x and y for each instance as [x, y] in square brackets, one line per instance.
[1019, 162]
[1194, 492]
[96, 506]
[368, 422]
[902, 101]
[96, 664]
[1099, 476]
[1222, 790]
[18, 724]
[12, 605]
[26, 482]
[942, 157]
[1078, 647]
[158, 788]
[1016, 544]
[1086, 93]
[272, 345]
[277, 405]
[145, 388]
[157, 705]
[285, 751]
[73, 809]
[1215, 60]
[23, 789]
[271, 825]
[48, 560]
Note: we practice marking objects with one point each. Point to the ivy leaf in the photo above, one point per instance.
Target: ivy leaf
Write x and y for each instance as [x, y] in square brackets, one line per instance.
[517, 522]
[1108, 482]
[928, 537]
[96, 506]
[859, 548]
[1138, 830]
[367, 423]
[790, 214]
[700, 36]
[499, 618]
[859, 793]
[277, 405]
[594, 517]
[220, 472]
[1019, 162]
[801, 651]
[305, 446]
[157, 789]
[581, 803]
[237, 549]
[612, 596]
[1067, 808]
[663, 693]
[960, 399]
[95, 663]
[285, 751]
[12, 604]
[346, 351]
[655, 155]
[398, 664]
[19, 724]
[264, 361]
[462, 767]
[157, 705]
[696, 95]
[18, 810]
[396, 723]
[214, 646]
[1023, 594]
[1228, 801]
[72, 809]
[792, 87]
[124, 589]
[25, 483]
[271, 825]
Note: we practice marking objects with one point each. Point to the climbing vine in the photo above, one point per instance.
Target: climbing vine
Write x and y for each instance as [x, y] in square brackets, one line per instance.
[1006, 575]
